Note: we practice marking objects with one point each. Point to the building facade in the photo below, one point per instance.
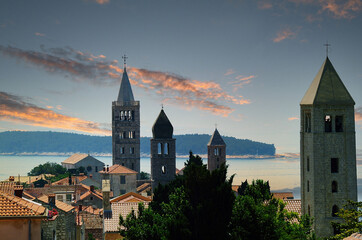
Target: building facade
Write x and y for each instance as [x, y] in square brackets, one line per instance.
[126, 127]
[327, 149]
[216, 151]
[163, 151]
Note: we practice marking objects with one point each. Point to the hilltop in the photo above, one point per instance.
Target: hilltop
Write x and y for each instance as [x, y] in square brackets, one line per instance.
[15, 142]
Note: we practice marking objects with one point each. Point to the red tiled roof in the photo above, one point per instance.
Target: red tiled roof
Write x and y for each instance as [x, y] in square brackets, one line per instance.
[235, 188]
[283, 195]
[130, 197]
[65, 181]
[7, 187]
[293, 205]
[59, 204]
[354, 236]
[91, 193]
[119, 169]
[28, 196]
[12, 206]
[144, 187]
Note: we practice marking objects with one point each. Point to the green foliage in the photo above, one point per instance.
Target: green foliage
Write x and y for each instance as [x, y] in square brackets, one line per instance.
[49, 168]
[145, 175]
[18, 142]
[257, 215]
[196, 205]
[351, 215]
[90, 236]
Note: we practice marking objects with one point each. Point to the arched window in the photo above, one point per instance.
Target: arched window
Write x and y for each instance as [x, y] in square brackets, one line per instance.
[328, 123]
[129, 115]
[122, 116]
[334, 186]
[163, 169]
[159, 148]
[166, 148]
[216, 152]
[335, 210]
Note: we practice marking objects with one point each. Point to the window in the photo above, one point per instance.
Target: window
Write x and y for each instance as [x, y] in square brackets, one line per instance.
[159, 148]
[122, 150]
[308, 122]
[122, 116]
[123, 179]
[217, 159]
[96, 169]
[60, 198]
[89, 169]
[216, 152]
[334, 186]
[334, 165]
[131, 150]
[328, 123]
[307, 164]
[132, 166]
[308, 210]
[335, 210]
[123, 164]
[123, 191]
[220, 151]
[307, 186]
[130, 134]
[163, 169]
[69, 197]
[339, 123]
[166, 148]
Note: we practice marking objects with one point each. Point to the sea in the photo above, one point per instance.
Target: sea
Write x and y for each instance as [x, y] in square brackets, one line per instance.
[283, 174]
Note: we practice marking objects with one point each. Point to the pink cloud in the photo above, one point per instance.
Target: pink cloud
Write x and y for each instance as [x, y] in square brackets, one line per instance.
[229, 72]
[241, 81]
[39, 34]
[265, 5]
[293, 118]
[284, 34]
[342, 9]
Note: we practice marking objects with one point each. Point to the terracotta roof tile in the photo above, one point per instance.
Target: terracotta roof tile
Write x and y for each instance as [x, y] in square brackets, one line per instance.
[59, 204]
[91, 193]
[65, 181]
[293, 205]
[144, 187]
[7, 187]
[283, 195]
[119, 169]
[354, 236]
[130, 197]
[12, 206]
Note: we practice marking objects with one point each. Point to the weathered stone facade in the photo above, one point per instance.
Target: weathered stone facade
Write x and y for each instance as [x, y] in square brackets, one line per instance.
[216, 151]
[163, 152]
[327, 149]
[126, 127]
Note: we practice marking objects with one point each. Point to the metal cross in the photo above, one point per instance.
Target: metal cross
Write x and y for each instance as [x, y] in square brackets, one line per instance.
[327, 45]
[124, 60]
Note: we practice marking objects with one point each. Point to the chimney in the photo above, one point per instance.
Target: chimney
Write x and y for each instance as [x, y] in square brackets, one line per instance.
[11, 179]
[90, 176]
[51, 200]
[18, 191]
[92, 188]
[106, 188]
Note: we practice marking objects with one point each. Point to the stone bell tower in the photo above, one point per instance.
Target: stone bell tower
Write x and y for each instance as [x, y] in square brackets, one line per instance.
[163, 151]
[126, 126]
[216, 151]
[327, 149]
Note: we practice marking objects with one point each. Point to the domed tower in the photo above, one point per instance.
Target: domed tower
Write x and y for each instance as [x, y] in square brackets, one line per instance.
[126, 126]
[163, 151]
[216, 151]
[327, 149]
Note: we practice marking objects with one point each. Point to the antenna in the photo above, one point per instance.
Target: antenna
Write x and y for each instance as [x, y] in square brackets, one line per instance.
[124, 57]
[327, 45]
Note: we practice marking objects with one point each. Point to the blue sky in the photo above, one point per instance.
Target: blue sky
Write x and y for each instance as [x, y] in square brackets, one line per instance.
[243, 65]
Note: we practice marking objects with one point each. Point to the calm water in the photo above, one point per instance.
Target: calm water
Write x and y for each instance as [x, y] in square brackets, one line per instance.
[283, 174]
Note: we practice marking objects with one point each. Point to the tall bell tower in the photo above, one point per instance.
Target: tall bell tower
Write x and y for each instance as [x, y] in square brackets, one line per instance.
[327, 149]
[126, 126]
[216, 151]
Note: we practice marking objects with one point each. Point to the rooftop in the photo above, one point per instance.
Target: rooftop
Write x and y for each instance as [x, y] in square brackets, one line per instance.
[162, 128]
[216, 139]
[78, 157]
[119, 169]
[12, 206]
[125, 91]
[58, 204]
[293, 205]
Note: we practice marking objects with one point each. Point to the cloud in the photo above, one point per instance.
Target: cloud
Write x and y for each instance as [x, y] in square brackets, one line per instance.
[229, 72]
[264, 5]
[358, 115]
[284, 34]
[342, 9]
[39, 34]
[99, 1]
[15, 109]
[85, 67]
[241, 81]
[293, 118]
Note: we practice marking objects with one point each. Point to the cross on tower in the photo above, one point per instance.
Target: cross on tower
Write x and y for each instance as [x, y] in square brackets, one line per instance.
[327, 45]
[124, 60]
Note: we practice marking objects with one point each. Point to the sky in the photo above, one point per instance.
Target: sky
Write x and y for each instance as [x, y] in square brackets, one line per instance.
[240, 65]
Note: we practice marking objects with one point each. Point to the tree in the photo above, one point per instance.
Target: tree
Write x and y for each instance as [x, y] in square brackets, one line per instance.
[257, 215]
[145, 176]
[196, 205]
[47, 168]
[351, 214]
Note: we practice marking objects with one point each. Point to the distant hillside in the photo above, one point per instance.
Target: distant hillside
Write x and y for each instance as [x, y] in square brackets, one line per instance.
[30, 142]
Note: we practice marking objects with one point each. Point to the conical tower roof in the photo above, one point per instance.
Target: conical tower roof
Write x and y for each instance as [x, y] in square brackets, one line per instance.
[125, 91]
[327, 88]
[162, 128]
[216, 139]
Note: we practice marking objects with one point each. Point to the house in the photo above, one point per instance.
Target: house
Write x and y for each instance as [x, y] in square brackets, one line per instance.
[90, 164]
[89, 221]
[122, 179]
[283, 195]
[63, 225]
[91, 198]
[145, 189]
[20, 217]
[122, 206]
